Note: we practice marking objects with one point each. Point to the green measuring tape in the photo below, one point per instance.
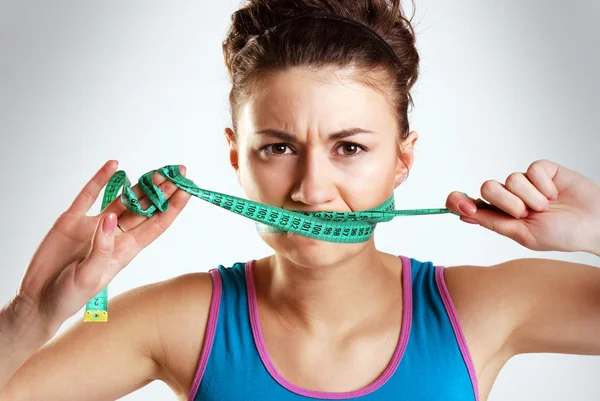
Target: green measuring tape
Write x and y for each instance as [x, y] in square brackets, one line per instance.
[344, 227]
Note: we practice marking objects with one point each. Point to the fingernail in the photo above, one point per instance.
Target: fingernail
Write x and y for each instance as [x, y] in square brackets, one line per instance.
[109, 223]
[467, 207]
[182, 169]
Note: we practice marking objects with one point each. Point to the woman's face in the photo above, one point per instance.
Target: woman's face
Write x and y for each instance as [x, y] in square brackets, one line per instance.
[317, 141]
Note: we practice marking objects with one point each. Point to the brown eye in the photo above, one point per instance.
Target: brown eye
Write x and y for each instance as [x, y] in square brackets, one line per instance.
[278, 148]
[350, 149]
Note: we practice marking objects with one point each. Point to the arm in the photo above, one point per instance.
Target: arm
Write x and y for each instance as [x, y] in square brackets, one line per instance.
[20, 337]
[96, 361]
[78, 257]
[528, 305]
[557, 306]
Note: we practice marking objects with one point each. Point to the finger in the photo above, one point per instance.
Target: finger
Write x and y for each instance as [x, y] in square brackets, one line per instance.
[144, 234]
[88, 195]
[497, 194]
[79, 282]
[93, 267]
[541, 173]
[520, 185]
[460, 203]
[128, 220]
[503, 224]
[117, 207]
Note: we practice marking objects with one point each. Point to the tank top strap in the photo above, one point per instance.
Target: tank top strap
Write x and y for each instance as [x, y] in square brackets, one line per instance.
[229, 355]
[437, 350]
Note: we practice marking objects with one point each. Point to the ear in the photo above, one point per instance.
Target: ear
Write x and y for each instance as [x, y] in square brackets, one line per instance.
[233, 151]
[232, 143]
[405, 158]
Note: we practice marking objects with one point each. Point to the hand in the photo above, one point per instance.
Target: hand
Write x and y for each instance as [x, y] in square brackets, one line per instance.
[81, 254]
[548, 208]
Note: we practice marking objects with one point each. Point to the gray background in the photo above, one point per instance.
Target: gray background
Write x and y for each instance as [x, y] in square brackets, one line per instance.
[503, 83]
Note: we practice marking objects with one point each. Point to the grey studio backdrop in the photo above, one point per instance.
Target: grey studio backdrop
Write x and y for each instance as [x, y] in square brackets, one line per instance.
[503, 83]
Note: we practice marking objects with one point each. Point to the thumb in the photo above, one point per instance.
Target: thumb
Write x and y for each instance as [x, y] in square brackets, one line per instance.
[90, 271]
[501, 223]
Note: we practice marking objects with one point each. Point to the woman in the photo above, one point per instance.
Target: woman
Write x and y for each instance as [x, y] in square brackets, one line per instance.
[319, 108]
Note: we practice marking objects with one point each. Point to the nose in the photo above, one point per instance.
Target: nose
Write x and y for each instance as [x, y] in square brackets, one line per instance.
[315, 184]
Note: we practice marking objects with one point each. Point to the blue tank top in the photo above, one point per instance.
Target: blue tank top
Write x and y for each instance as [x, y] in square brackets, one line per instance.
[431, 360]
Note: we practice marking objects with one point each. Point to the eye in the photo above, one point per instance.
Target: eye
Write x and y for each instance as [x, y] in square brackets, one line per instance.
[350, 149]
[277, 148]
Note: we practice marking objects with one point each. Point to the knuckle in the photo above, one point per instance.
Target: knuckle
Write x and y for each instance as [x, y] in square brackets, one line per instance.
[23, 304]
[514, 178]
[65, 221]
[160, 224]
[176, 209]
[132, 241]
[494, 227]
[64, 216]
[103, 252]
[167, 188]
[157, 178]
[487, 187]
[87, 196]
[538, 166]
[514, 181]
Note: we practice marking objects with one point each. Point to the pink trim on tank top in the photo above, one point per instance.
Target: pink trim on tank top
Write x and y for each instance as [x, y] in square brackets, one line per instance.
[392, 364]
[458, 332]
[210, 331]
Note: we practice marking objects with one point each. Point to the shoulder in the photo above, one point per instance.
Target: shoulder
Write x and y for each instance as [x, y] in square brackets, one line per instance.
[171, 301]
[179, 307]
[186, 292]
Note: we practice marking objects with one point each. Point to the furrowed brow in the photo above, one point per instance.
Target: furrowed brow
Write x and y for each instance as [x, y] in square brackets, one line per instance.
[349, 132]
[334, 136]
[284, 136]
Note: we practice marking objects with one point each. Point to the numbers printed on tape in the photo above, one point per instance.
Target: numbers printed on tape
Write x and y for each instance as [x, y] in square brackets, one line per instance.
[343, 227]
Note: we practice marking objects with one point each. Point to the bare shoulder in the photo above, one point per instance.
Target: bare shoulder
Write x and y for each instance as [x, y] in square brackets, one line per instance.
[182, 306]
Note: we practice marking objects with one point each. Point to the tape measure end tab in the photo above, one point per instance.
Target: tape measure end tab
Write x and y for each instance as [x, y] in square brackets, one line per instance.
[94, 316]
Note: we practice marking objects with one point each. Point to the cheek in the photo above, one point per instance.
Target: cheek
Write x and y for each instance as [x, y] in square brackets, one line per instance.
[371, 184]
[263, 183]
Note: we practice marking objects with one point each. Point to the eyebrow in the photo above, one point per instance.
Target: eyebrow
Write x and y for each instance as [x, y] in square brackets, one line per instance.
[292, 138]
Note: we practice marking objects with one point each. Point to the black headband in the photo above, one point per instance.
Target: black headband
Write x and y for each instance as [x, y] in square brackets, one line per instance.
[349, 21]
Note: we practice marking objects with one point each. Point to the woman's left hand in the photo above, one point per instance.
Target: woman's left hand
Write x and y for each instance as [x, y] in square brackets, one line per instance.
[548, 208]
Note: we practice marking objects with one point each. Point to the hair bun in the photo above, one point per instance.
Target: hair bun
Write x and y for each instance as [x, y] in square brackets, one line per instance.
[252, 49]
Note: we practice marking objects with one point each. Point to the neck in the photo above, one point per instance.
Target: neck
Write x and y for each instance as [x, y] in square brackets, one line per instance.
[333, 299]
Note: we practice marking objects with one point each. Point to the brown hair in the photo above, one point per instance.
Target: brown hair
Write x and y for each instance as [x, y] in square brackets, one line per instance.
[253, 49]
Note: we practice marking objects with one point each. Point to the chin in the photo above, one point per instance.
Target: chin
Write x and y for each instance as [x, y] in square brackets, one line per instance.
[308, 252]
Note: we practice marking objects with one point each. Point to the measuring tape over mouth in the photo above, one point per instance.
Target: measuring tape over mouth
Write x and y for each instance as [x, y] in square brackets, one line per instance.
[343, 227]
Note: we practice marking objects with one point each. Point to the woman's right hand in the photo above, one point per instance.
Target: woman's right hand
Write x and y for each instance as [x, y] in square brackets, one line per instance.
[81, 254]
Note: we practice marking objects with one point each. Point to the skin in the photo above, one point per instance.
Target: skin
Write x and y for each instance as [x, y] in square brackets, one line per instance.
[323, 306]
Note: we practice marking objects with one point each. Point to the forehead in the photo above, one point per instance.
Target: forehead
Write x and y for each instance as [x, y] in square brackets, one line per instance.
[325, 99]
